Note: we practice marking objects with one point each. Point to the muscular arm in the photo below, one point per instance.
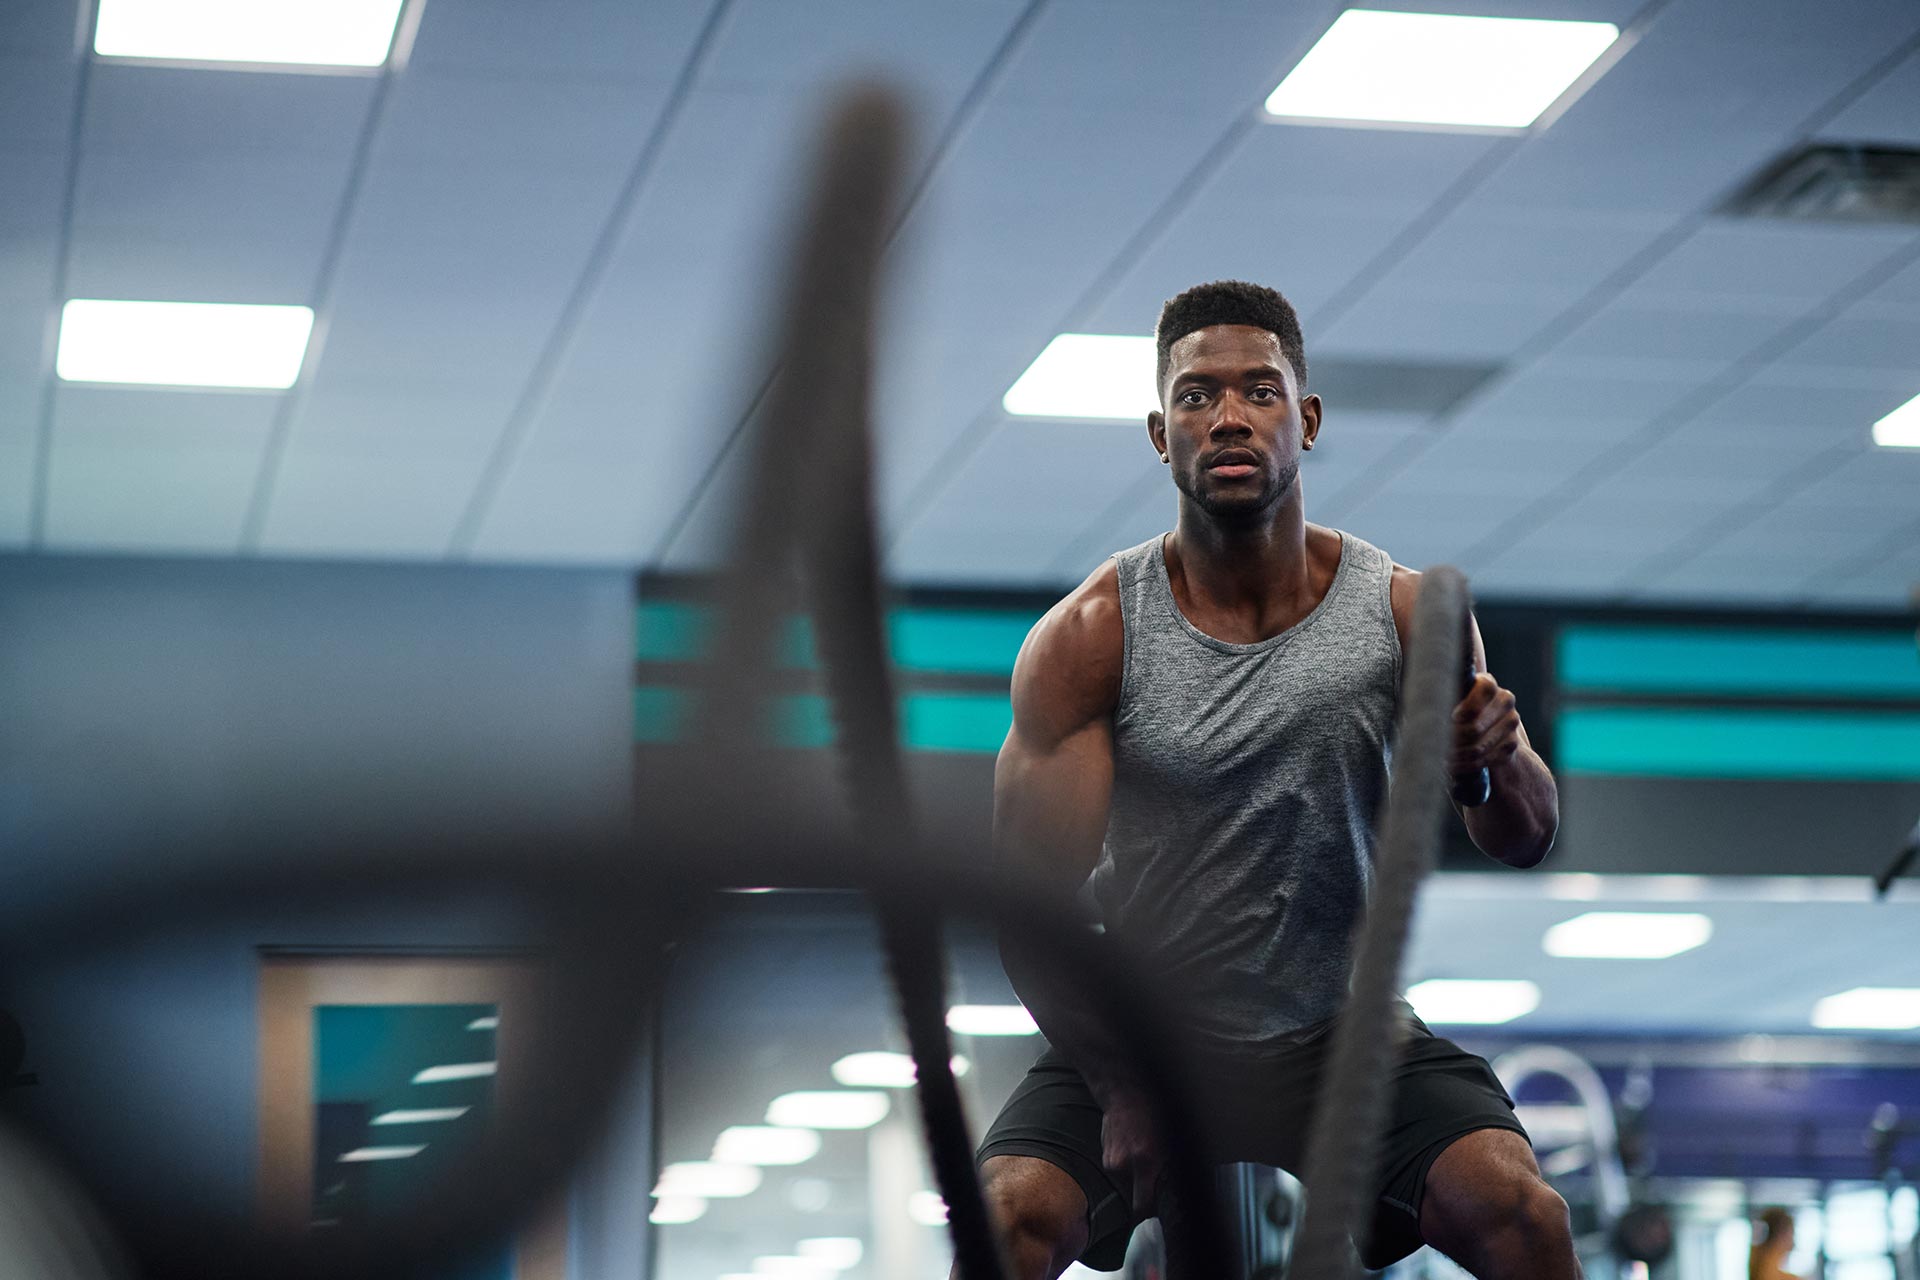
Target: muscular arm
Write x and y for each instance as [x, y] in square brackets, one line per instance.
[1051, 786]
[1518, 823]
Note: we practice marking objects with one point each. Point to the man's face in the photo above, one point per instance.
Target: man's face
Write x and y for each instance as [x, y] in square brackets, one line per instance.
[1234, 422]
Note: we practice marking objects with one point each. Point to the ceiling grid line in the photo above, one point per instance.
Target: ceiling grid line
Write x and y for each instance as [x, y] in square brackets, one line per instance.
[963, 116]
[1369, 274]
[1852, 565]
[1716, 389]
[961, 449]
[546, 369]
[1607, 291]
[254, 523]
[1410, 237]
[62, 264]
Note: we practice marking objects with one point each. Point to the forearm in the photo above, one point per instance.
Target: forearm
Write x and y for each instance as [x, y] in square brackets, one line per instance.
[1518, 823]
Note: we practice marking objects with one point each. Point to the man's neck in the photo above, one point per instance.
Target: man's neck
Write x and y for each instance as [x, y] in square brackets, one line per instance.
[1258, 568]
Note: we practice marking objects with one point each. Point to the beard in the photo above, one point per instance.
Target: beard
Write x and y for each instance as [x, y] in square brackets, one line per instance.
[1241, 506]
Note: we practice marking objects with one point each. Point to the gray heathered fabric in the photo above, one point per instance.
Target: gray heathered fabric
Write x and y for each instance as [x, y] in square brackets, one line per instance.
[1247, 778]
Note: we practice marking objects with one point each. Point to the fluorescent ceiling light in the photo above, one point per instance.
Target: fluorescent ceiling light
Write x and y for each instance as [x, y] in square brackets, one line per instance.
[360, 1155]
[1439, 69]
[1901, 428]
[991, 1020]
[320, 33]
[1481, 1002]
[455, 1071]
[764, 1145]
[673, 1210]
[426, 1115]
[484, 1024]
[707, 1179]
[1088, 375]
[182, 344]
[927, 1208]
[882, 1070]
[1870, 1009]
[838, 1252]
[1628, 935]
[794, 1266]
[828, 1109]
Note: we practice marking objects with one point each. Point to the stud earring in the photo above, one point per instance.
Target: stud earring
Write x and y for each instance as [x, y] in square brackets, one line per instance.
[1163, 457]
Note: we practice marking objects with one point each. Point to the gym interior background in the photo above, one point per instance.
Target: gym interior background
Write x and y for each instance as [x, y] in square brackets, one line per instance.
[423, 548]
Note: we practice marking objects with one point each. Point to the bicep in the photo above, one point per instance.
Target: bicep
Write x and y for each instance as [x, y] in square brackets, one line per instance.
[1050, 797]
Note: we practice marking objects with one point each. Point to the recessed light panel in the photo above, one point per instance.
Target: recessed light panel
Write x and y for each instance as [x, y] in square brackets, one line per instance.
[1088, 375]
[927, 1208]
[991, 1020]
[828, 1109]
[1628, 935]
[1439, 69]
[838, 1252]
[1901, 428]
[322, 33]
[883, 1070]
[182, 344]
[765, 1145]
[707, 1180]
[1870, 1009]
[1473, 1001]
[671, 1210]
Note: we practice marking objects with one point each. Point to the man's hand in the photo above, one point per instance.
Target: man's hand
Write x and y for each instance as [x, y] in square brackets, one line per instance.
[1130, 1146]
[1486, 729]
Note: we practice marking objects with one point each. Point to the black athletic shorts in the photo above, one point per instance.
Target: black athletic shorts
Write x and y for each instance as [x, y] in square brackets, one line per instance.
[1258, 1111]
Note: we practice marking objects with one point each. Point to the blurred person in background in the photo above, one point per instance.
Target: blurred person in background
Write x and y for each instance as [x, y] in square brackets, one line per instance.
[1772, 1243]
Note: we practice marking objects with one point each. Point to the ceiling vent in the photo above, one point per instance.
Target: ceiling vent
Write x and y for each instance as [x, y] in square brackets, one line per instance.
[1835, 182]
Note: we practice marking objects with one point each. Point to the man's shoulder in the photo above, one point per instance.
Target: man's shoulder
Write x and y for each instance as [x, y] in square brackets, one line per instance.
[1085, 625]
[1071, 662]
[1403, 587]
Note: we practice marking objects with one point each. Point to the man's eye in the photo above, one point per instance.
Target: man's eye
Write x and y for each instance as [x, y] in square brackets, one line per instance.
[1192, 396]
[1265, 393]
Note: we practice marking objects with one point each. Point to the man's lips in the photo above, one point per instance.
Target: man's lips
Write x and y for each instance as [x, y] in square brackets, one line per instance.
[1233, 463]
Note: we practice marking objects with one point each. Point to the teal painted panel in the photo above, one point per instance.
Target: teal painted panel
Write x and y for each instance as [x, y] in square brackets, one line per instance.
[802, 720]
[1734, 742]
[956, 721]
[1694, 660]
[967, 641]
[659, 713]
[933, 721]
[954, 641]
[669, 631]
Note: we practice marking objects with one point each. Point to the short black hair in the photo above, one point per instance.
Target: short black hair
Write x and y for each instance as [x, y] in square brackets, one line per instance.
[1230, 302]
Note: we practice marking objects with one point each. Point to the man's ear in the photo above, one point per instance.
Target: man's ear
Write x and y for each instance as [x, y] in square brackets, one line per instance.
[1309, 421]
[1157, 432]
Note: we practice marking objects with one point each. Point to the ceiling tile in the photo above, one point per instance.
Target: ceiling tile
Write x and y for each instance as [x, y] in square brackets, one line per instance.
[153, 470]
[36, 101]
[1885, 113]
[146, 109]
[39, 28]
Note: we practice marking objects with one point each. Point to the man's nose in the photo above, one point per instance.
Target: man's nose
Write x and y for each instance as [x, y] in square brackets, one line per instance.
[1230, 420]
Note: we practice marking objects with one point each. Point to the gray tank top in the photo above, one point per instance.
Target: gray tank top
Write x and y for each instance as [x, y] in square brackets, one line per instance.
[1239, 846]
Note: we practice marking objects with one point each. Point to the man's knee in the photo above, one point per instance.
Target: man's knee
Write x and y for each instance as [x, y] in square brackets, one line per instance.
[1485, 1198]
[1040, 1211]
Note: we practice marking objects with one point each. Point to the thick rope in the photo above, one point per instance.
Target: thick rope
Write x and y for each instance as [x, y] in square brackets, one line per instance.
[1343, 1150]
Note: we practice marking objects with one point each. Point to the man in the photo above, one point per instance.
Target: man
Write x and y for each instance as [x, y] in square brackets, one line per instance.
[1202, 728]
[1772, 1246]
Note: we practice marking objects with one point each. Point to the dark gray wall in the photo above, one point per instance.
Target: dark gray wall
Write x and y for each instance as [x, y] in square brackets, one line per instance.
[154, 710]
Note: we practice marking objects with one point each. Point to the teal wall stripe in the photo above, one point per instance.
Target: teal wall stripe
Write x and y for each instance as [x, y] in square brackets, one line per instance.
[922, 639]
[929, 721]
[955, 721]
[1737, 742]
[1750, 662]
